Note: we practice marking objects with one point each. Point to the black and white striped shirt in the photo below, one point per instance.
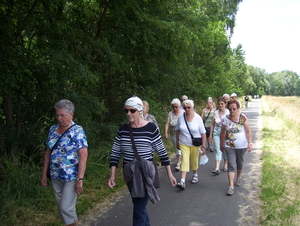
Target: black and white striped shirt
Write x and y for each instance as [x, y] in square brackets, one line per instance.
[147, 139]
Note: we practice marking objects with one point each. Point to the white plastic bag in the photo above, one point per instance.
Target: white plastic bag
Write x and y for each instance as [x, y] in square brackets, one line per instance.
[203, 160]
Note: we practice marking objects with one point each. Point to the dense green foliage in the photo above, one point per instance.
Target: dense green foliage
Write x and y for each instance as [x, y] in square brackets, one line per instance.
[98, 53]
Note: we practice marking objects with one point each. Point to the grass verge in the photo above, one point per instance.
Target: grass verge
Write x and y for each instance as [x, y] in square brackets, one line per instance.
[280, 173]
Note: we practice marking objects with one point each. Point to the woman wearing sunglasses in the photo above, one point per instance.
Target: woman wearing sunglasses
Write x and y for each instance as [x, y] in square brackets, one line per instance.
[171, 123]
[235, 140]
[190, 153]
[147, 139]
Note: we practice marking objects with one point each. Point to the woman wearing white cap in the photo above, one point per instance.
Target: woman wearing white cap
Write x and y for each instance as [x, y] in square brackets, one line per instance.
[147, 139]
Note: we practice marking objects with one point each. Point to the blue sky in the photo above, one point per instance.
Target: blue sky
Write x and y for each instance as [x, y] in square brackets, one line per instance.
[269, 31]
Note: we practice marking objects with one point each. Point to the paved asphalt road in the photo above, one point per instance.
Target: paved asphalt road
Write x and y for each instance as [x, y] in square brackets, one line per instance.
[204, 203]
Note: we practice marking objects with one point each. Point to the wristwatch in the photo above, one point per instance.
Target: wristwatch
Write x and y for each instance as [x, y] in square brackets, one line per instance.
[79, 179]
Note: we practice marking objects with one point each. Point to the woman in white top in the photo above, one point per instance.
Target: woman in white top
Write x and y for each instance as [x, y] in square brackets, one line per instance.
[235, 139]
[171, 123]
[214, 136]
[190, 153]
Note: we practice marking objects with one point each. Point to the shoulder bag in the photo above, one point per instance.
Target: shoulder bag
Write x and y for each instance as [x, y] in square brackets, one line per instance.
[48, 170]
[156, 183]
[197, 141]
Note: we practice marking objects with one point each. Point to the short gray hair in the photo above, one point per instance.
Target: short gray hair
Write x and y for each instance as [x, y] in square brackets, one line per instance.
[191, 102]
[65, 104]
[185, 96]
[176, 101]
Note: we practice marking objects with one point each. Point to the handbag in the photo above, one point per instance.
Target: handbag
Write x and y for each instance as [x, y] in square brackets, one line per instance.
[156, 183]
[48, 170]
[197, 141]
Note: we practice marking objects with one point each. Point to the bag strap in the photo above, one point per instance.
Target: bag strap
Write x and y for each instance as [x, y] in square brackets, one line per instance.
[187, 125]
[207, 115]
[61, 137]
[132, 142]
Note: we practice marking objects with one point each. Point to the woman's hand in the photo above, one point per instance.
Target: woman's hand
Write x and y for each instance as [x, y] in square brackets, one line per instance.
[210, 139]
[203, 150]
[78, 187]
[166, 136]
[222, 148]
[44, 181]
[111, 182]
[249, 147]
[172, 180]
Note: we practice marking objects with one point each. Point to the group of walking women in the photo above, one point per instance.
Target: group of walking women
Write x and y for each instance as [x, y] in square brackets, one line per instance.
[66, 154]
[224, 130]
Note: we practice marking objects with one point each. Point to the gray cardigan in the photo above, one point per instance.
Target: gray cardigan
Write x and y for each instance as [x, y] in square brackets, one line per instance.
[139, 176]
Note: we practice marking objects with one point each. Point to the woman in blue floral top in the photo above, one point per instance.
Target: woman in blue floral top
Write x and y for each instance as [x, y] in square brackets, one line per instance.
[67, 161]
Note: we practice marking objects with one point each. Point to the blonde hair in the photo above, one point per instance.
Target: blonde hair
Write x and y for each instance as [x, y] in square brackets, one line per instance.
[145, 104]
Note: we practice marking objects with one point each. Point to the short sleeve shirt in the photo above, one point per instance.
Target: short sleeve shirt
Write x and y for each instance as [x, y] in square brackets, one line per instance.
[64, 158]
[196, 127]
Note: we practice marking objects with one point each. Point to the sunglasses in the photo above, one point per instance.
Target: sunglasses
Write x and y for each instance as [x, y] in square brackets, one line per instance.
[231, 109]
[132, 111]
[174, 106]
[186, 108]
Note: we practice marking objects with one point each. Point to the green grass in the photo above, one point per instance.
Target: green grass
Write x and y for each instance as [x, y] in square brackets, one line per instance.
[280, 173]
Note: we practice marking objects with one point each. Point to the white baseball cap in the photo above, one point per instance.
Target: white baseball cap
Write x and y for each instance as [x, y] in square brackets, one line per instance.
[233, 95]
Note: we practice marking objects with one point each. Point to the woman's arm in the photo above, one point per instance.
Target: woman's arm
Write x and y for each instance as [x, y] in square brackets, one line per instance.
[203, 147]
[83, 154]
[203, 113]
[248, 135]
[111, 180]
[170, 175]
[212, 127]
[222, 138]
[167, 128]
[177, 139]
[45, 168]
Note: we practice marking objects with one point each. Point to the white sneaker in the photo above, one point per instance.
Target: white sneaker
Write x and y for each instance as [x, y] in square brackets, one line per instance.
[230, 191]
[238, 182]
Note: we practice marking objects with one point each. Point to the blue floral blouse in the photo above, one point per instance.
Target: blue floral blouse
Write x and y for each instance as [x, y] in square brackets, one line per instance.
[64, 158]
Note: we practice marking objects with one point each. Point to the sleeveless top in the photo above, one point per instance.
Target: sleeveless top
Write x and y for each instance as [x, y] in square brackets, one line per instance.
[236, 135]
[208, 120]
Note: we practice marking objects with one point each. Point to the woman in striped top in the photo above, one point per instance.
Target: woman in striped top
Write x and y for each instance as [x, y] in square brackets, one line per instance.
[147, 139]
